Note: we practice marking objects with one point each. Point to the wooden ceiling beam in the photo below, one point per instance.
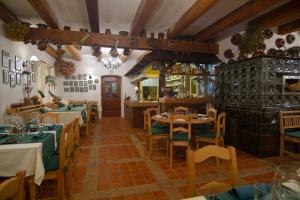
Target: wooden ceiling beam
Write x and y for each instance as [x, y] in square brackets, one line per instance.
[108, 40]
[93, 13]
[47, 14]
[6, 15]
[283, 14]
[142, 15]
[289, 27]
[199, 8]
[244, 12]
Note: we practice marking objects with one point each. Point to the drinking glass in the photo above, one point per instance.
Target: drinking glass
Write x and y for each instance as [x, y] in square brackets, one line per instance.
[286, 183]
[262, 191]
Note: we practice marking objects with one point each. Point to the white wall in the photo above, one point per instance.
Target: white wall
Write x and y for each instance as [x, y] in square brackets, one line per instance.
[9, 95]
[90, 65]
[270, 43]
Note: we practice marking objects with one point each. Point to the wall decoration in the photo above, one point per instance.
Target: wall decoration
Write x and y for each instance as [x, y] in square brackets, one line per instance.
[65, 68]
[12, 65]
[18, 78]
[96, 80]
[5, 58]
[85, 77]
[76, 89]
[33, 78]
[65, 83]
[12, 79]
[90, 82]
[70, 83]
[66, 89]
[33, 68]
[86, 89]
[81, 89]
[80, 83]
[85, 83]
[75, 83]
[18, 63]
[29, 79]
[16, 31]
[79, 77]
[90, 87]
[94, 87]
[290, 38]
[72, 89]
[5, 76]
[73, 77]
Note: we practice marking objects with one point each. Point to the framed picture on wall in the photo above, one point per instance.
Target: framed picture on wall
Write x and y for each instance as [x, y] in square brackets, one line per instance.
[33, 68]
[65, 83]
[12, 65]
[79, 77]
[90, 82]
[94, 87]
[80, 83]
[73, 77]
[70, 83]
[33, 78]
[90, 87]
[12, 79]
[5, 58]
[85, 83]
[18, 63]
[66, 89]
[77, 89]
[85, 77]
[72, 89]
[18, 78]
[81, 89]
[5, 76]
[29, 79]
[86, 89]
[75, 83]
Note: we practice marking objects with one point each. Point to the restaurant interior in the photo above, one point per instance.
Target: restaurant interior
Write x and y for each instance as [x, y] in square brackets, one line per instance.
[150, 99]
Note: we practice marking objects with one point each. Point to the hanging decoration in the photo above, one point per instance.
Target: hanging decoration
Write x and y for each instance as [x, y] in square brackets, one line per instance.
[50, 81]
[64, 67]
[16, 31]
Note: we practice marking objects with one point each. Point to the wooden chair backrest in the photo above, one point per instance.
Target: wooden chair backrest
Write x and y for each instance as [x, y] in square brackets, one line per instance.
[289, 120]
[145, 120]
[13, 188]
[66, 140]
[205, 153]
[76, 130]
[50, 117]
[181, 129]
[211, 112]
[150, 113]
[181, 110]
[88, 114]
[221, 124]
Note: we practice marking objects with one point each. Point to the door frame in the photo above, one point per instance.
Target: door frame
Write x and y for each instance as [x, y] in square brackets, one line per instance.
[118, 76]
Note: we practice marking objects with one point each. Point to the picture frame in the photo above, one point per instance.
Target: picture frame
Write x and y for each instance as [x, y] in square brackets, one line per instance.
[85, 83]
[18, 63]
[73, 77]
[12, 66]
[85, 77]
[18, 78]
[90, 87]
[29, 79]
[12, 79]
[75, 83]
[65, 83]
[66, 89]
[86, 89]
[77, 89]
[5, 59]
[5, 74]
[33, 68]
[72, 89]
[79, 76]
[94, 87]
[81, 89]
[90, 82]
[70, 83]
[80, 83]
[33, 78]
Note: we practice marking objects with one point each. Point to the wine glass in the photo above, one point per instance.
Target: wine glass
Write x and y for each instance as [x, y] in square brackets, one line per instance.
[286, 183]
[18, 124]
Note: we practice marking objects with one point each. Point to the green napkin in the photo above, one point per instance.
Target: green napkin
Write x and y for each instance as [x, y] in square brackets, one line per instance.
[40, 135]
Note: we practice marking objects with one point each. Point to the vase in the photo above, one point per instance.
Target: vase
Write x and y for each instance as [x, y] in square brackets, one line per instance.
[268, 34]
[290, 38]
[280, 43]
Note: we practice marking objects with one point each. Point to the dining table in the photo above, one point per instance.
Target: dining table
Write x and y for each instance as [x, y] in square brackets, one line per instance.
[196, 119]
[30, 151]
[67, 115]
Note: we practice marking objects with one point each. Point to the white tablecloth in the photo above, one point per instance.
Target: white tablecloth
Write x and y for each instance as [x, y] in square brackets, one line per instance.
[67, 117]
[16, 157]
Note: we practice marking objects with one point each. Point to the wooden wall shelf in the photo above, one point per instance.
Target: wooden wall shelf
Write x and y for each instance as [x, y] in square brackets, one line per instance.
[29, 108]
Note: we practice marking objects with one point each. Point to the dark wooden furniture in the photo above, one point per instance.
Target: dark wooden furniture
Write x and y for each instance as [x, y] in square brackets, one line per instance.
[133, 111]
[251, 94]
[193, 104]
[111, 96]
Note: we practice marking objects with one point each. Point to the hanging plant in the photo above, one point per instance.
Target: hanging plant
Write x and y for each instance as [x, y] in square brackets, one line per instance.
[50, 80]
[64, 67]
[16, 30]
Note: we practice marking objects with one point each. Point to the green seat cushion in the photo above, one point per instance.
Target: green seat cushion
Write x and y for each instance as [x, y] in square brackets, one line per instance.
[52, 163]
[293, 133]
[61, 105]
[43, 110]
[203, 126]
[158, 131]
[180, 136]
[159, 125]
[205, 135]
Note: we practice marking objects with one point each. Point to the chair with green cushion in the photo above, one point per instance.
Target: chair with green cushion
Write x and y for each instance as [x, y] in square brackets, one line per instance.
[213, 137]
[289, 131]
[57, 167]
[179, 136]
[155, 131]
[197, 128]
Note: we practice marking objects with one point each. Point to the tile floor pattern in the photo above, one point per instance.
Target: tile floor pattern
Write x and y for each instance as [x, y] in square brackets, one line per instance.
[113, 166]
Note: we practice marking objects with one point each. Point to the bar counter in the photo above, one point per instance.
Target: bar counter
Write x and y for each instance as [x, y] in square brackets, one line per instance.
[194, 104]
[134, 111]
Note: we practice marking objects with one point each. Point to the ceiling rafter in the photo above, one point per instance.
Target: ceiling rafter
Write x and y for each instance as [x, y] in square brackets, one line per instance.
[199, 8]
[7, 15]
[280, 15]
[46, 13]
[244, 12]
[93, 13]
[142, 15]
[108, 40]
[289, 27]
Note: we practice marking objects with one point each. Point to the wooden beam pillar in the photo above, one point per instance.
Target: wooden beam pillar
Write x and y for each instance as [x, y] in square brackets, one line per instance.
[199, 8]
[289, 27]
[93, 13]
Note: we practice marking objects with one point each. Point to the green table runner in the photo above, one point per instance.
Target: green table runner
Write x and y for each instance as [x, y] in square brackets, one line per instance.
[81, 109]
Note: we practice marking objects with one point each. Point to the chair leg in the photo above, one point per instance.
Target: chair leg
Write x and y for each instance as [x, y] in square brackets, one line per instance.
[150, 146]
[281, 146]
[147, 144]
[68, 178]
[32, 189]
[197, 144]
[168, 145]
[61, 186]
[171, 155]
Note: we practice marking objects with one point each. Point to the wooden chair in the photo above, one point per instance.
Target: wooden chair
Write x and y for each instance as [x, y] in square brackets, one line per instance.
[181, 110]
[198, 128]
[146, 130]
[50, 117]
[58, 166]
[203, 154]
[179, 136]
[213, 137]
[156, 131]
[13, 188]
[76, 149]
[87, 125]
[94, 112]
[289, 130]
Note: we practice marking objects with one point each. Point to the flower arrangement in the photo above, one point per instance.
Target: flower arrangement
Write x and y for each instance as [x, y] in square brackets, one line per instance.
[64, 67]
[15, 30]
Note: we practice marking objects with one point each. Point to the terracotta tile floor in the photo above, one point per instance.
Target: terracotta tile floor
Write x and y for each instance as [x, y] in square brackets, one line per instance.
[113, 166]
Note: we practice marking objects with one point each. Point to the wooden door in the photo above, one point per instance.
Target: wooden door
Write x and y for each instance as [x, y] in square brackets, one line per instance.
[111, 96]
